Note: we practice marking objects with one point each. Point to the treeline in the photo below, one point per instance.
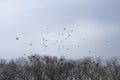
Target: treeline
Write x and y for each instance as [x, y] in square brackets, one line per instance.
[37, 67]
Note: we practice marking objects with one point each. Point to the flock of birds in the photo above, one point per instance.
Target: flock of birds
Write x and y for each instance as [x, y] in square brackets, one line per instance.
[44, 41]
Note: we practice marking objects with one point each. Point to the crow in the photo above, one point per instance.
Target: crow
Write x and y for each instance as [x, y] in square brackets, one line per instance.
[17, 38]
[30, 44]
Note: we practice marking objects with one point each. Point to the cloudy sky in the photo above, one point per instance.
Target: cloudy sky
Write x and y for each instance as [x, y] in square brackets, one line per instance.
[93, 26]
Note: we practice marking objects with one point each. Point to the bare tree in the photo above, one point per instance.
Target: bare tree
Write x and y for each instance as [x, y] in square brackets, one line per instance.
[37, 67]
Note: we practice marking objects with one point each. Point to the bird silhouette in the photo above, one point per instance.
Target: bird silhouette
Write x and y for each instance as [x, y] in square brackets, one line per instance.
[66, 38]
[83, 38]
[56, 40]
[69, 35]
[17, 38]
[37, 59]
[33, 56]
[48, 32]
[106, 41]
[58, 46]
[71, 30]
[43, 39]
[64, 28]
[97, 64]
[78, 46]
[45, 45]
[68, 49]
[30, 60]
[62, 46]
[30, 44]
[90, 51]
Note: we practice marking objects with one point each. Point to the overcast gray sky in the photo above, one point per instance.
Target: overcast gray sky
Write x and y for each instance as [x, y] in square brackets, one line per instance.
[95, 25]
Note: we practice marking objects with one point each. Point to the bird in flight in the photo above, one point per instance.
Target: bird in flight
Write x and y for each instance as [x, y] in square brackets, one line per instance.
[62, 34]
[106, 41]
[66, 38]
[62, 46]
[43, 39]
[58, 49]
[90, 51]
[71, 30]
[68, 49]
[17, 38]
[45, 45]
[69, 35]
[64, 28]
[83, 38]
[30, 44]
[56, 40]
[78, 46]
[48, 32]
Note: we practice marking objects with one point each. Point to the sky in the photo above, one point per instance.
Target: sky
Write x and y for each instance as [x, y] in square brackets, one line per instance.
[91, 28]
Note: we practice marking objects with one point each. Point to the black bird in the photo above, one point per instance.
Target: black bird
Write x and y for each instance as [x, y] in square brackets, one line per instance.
[30, 60]
[48, 32]
[83, 38]
[78, 46]
[71, 30]
[61, 59]
[37, 59]
[56, 40]
[69, 35]
[69, 63]
[68, 49]
[43, 39]
[46, 40]
[90, 51]
[62, 46]
[58, 49]
[66, 38]
[30, 44]
[104, 67]
[64, 28]
[33, 57]
[45, 45]
[97, 64]
[17, 38]
[106, 41]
